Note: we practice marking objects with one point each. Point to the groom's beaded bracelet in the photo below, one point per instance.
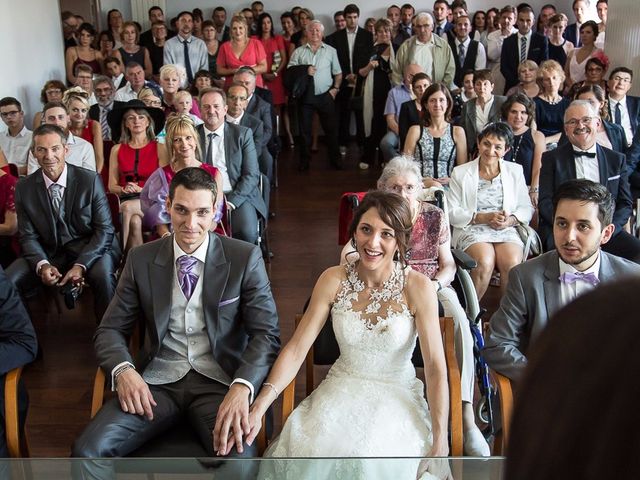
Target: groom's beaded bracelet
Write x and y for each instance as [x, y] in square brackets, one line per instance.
[272, 387]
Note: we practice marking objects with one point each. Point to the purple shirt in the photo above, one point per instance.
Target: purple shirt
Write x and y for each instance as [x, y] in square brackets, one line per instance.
[397, 96]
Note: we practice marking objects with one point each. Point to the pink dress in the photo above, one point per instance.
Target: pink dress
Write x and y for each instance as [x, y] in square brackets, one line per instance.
[252, 55]
[272, 46]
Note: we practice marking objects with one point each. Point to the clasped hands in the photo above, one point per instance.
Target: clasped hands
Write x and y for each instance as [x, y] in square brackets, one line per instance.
[131, 187]
[50, 275]
[496, 220]
[234, 423]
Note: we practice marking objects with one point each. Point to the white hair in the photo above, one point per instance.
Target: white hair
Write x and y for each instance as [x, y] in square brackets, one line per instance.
[402, 165]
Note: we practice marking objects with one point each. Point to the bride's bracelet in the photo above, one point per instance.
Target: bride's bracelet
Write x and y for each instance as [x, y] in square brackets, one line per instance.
[272, 387]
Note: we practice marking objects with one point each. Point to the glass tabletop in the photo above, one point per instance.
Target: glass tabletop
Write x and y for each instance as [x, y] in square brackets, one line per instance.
[255, 468]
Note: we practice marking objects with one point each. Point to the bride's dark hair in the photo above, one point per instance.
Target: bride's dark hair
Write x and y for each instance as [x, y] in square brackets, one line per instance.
[393, 210]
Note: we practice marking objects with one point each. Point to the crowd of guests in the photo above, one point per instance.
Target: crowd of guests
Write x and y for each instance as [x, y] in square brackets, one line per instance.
[517, 121]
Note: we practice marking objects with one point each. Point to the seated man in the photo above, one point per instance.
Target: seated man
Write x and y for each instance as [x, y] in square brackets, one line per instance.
[231, 150]
[207, 354]
[15, 142]
[390, 143]
[581, 157]
[78, 151]
[18, 346]
[538, 288]
[64, 224]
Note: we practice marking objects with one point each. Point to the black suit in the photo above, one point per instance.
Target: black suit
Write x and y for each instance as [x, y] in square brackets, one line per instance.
[559, 165]
[407, 117]
[241, 323]
[146, 38]
[82, 234]
[244, 175]
[18, 346]
[351, 64]
[469, 59]
[94, 114]
[571, 34]
[510, 57]
[263, 111]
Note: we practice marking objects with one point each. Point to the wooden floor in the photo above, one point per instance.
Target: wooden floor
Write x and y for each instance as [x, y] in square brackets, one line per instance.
[303, 238]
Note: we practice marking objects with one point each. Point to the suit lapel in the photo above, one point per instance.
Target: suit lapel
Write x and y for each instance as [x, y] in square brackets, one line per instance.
[603, 168]
[203, 142]
[216, 274]
[161, 277]
[551, 284]
[471, 114]
[45, 204]
[228, 146]
[70, 193]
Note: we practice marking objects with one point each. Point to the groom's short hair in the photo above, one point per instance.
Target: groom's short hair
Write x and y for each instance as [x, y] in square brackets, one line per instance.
[587, 191]
[193, 178]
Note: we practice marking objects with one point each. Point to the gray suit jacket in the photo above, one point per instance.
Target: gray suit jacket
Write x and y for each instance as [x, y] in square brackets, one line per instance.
[254, 124]
[86, 215]
[242, 165]
[531, 299]
[468, 118]
[239, 310]
[262, 111]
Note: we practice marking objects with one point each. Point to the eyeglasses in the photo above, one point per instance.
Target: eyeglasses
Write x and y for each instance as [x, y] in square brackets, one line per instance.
[154, 103]
[53, 91]
[621, 79]
[400, 188]
[236, 97]
[574, 122]
[12, 113]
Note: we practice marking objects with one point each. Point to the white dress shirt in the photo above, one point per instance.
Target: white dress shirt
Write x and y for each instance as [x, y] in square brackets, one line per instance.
[16, 149]
[494, 46]
[570, 291]
[481, 57]
[235, 121]
[624, 115]
[351, 40]
[482, 114]
[125, 94]
[587, 167]
[218, 158]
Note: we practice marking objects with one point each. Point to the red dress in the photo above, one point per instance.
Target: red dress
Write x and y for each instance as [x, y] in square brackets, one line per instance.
[253, 54]
[87, 132]
[147, 163]
[7, 204]
[272, 46]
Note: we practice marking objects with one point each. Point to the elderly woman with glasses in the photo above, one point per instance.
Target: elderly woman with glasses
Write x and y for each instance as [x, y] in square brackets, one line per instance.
[430, 254]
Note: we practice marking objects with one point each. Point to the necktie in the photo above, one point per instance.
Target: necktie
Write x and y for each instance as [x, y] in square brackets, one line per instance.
[438, 30]
[106, 131]
[461, 54]
[187, 62]
[617, 116]
[580, 153]
[568, 277]
[187, 278]
[208, 157]
[55, 191]
[523, 49]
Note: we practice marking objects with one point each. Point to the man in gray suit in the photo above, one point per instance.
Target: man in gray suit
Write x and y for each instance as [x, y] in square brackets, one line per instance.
[538, 288]
[64, 222]
[231, 149]
[211, 334]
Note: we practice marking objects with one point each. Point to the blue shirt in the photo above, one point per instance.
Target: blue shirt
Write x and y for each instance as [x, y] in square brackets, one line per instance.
[396, 97]
[325, 59]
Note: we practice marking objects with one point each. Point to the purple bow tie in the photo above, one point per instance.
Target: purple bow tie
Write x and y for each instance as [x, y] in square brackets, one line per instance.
[187, 278]
[568, 277]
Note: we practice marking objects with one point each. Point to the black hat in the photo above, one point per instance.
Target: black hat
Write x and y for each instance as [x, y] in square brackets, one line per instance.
[114, 117]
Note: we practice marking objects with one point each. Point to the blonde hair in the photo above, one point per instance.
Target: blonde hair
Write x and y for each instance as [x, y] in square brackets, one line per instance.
[182, 93]
[135, 27]
[177, 70]
[550, 67]
[239, 18]
[179, 124]
[75, 93]
[530, 64]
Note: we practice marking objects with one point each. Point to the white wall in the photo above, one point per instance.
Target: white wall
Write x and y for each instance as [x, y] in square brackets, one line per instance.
[32, 50]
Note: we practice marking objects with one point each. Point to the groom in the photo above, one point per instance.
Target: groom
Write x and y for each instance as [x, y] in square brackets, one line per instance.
[211, 333]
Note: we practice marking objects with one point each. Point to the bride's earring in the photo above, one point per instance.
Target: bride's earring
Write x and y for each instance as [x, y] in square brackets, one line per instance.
[353, 244]
[396, 256]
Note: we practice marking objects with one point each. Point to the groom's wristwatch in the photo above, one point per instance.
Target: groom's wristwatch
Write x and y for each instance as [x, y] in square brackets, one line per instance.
[437, 282]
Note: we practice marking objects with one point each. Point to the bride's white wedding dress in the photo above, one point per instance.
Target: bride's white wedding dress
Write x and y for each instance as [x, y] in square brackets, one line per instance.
[370, 404]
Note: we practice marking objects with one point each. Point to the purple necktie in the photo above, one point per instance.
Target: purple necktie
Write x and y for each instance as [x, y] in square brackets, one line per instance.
[187, 277]
[568, 277]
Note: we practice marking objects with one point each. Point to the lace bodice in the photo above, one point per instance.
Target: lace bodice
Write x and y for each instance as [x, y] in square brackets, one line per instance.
[374, 329]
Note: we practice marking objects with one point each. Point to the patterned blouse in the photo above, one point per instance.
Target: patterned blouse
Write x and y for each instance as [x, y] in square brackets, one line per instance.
[430, 231]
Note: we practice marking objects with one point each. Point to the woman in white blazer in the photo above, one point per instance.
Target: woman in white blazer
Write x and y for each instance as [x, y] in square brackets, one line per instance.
[487, 198]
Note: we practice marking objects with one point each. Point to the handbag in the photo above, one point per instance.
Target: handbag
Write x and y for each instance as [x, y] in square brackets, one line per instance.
[531, 240]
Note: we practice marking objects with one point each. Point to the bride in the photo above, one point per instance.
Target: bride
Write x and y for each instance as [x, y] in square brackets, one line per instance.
[371, 404]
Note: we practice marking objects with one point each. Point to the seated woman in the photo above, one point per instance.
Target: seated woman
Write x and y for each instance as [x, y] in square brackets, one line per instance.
[430, 254]
[595, 71]
[83, 53]
[183, 144]
[574, 68]
[487, 198]
[8, 218]
[550, 105]
[370, 404]
[51, 92]
[171, 77]
[131, 51]
[411, 110]
[77, 102]
[528, 76]
[482, 110]
[528, 144]
[133, 160]
[436, 145]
